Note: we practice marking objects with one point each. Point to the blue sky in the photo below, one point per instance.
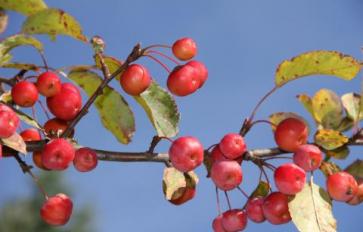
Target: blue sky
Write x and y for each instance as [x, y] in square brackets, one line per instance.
[241, 42]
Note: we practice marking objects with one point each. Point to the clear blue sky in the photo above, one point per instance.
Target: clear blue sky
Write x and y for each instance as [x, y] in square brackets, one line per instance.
[241, 42]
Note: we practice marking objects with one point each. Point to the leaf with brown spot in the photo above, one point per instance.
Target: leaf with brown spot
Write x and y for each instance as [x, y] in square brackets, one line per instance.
[306, 101]
[330, 139]
[339, 153]
[25, 7]
[15, 142]
[328, 168]
[114, 112]
[21, 66]
[111, 62]
[319, 62]
[53, 22]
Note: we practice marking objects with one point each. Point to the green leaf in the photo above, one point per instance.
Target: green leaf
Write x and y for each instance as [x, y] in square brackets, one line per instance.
[21, 66]
[114, 112]
[111, 62]
[15, 142]
[339, 153]
[311, 210]
[327, 108]
[330, 139]
[351, 104]
[175, 182]
[261, 190]
[356, 169]
[345, 125]
[328, 168]
[306, 101]
[161, 109]
[278, 117]
[317, 63]
[3, 20]
[53, 22]
[25, 7]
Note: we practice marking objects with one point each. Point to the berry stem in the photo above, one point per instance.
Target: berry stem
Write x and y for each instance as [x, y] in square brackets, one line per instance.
[228, 201]
[159, 62]
[165, 56]
[243, 192]
[44, 109]
[42, 56]
[157, 46]
[218, 202]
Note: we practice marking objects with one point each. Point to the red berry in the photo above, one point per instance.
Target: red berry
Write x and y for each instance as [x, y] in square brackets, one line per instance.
[184, 49]
[290, 178]
[254, 209]
[71, 87]
[308, 157]
[234, 220]
[57, 210]
[217, 224]
[290, 134]
[48, 84]
[232, 146]
[275, 208]
[57, 154]
[37, 160]
[1, 150]
[9, 121]
[66, 104]
[85, 159]
[24, 94]
[226, 174]
[216, 155]
[55, 127]
[358, 197]
[342, 186]
[201, 71]
[183, 80]
[135, 80]
[187, 195]
[31, 134]
[186, 153]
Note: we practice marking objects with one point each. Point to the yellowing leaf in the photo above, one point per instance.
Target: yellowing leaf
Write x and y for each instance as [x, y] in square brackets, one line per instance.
[161, 109]
[25, 7]
[306, 102]
[111, 62]
[278, 117]
[175, 182]
[317, 63]
[114, 112]
[327, 109]
[21, 66]
[330, 139]
[356, 169]
[311, 210]
[53, 22]
[15, 142]
[328, 168]
[351, 104]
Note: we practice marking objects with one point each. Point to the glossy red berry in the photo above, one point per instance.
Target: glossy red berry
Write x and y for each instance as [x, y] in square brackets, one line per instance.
[226, 174]
[135, 80]
[55, 127]
[232, 145]
[358, 197]
[234, 220]
[275, 208]
[341, 186]
[183, 80]
[70, 87]
[216, 155]
[254, 209]
[48, 84]
[9, 121]
[290, 134]
[37, 160]
[58, 154]
[57, 210]
[30, 134]
[289, 178]
[308, 157]
[66, 104]
[201, 71]
[217, 224]
[24, 94]
[85, 159]
[184, 48]
[186, 153]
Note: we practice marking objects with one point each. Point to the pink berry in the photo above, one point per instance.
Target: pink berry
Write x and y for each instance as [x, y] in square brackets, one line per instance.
[201, 71]
[57, 210]
[289, 178]
[234, 220]
[48, 84]
[308, 157]
[254, 209]
[24, 94]
[135, 80]
[216, 155]
[342, 186]
[183, 80]
[9, 121]
[184, 48]
[85, 159]
[232, 146]
[217, 224]
[275, 208]
[186, 153]
[58, 154]
[30, 134]
[226, 174]
[290, 134]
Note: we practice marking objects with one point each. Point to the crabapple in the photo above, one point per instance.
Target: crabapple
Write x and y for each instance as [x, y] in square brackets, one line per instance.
[358, 197]
[232, 146]
[254, 209]
[183, 80]
[85, 159]
[58, 154]
[9, 121]
[216, 155]
[234, 220]
[48, 84]
[186, 153]
[30, 134]
[217, 224]
[24, 93]
[226, 174]
[289, 178]
[308, 157]
[37, 160]
[135, 80]
[341, 186]
[201, 71]
[275, 208]
[290, 134]
[57, 210]
[184, 48]
[55, 127]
